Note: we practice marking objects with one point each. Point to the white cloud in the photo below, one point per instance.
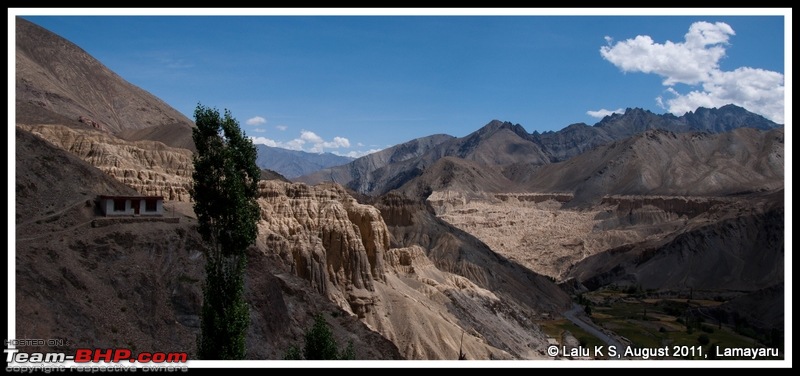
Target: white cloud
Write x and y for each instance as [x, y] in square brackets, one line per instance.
[265, 141]
[695, 62]
[308, 141]
[259, 130]
[338, 142]
[690, 62]
[257, 120]
[601, 113]
[296, 144]
[310, 137]
[281, 127]
[357, 153]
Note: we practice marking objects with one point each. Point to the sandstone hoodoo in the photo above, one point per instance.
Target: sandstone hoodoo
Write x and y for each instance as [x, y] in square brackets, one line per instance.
[345, 250]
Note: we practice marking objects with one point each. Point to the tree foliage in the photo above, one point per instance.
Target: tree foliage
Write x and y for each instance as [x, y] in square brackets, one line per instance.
[224, 190]
[320, 345]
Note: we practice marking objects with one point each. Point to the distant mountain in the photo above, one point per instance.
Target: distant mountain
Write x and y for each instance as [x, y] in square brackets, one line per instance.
[464, 176]
[58, 82]
[507, 147]
[727, 247]
[360, 174]
[667, 163]
[294, 163]
[580, 137]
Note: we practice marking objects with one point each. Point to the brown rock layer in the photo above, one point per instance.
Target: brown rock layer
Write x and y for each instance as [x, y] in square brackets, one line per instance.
[150, 167]
[326, 237]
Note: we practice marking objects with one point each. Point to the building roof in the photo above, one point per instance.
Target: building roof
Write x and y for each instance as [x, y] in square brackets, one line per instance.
[106, 197]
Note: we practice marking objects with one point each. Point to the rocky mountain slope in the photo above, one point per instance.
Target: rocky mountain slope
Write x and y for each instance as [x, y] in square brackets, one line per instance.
[150, 167]
[138, 285]
[57, 80]
[659, 162]
[362, 173]
[422, 296]
[735, 246]
[509, 148]
[460, 175]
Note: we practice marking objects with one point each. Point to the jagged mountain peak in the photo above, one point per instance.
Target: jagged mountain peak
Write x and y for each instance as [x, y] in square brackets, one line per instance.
[636, 117]
[722, 119]
[503, 144]
[726, 118]
[497, 125]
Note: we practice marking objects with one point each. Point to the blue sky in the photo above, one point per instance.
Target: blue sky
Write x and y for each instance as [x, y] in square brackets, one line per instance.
[351, 84]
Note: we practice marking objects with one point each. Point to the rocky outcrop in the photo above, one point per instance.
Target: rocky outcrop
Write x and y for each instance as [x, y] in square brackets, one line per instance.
[429, 309]
[736, 247]
[150, 167]
[458, 252]
[326, 237]
[432, 314]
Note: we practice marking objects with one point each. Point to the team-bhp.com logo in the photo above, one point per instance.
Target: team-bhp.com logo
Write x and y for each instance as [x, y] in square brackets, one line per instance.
[89, 360]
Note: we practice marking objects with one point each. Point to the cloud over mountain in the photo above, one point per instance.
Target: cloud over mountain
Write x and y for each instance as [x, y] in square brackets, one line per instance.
[695, 62]
[308, 141]
[601, 113]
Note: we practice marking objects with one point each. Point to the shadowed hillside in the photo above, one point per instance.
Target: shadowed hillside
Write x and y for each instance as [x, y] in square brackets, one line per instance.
[138, 285]
[59, 82]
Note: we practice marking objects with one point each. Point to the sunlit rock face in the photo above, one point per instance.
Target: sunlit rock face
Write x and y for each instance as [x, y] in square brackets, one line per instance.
[326, 237]
[150, 167]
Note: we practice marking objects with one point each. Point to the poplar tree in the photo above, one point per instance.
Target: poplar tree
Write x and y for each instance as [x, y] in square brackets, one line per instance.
[224, 191]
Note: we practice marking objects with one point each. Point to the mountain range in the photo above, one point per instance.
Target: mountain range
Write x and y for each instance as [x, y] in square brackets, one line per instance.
[294, 163]
[440, 246]
[519, 155]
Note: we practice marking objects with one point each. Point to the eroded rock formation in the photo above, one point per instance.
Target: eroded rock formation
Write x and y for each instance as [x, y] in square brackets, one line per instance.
[325, 236]
[342, 248]
[150, 167]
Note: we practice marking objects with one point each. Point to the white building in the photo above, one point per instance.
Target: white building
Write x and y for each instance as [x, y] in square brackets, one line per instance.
[132, 205]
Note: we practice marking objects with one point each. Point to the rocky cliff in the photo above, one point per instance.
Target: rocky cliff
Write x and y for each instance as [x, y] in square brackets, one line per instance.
[138, 284]
[326, 237]
[735, 246]
[345, 250]
[150, 167]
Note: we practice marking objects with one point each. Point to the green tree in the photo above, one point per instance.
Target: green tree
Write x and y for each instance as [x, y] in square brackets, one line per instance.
[224, 193]
[320, 344]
